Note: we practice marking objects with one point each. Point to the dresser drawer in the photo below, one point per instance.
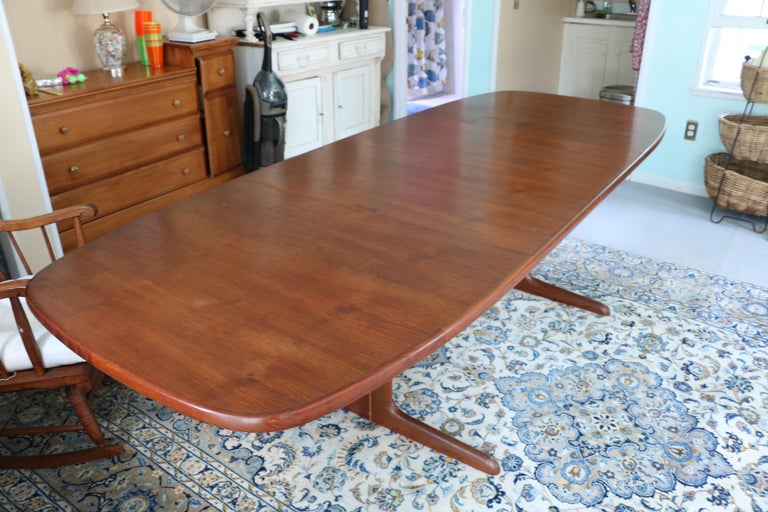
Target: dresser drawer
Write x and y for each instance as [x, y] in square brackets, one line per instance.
[138, 185]
[68, 127]
[369, 47]
[216, 72]
[108, 156]
[303, 58]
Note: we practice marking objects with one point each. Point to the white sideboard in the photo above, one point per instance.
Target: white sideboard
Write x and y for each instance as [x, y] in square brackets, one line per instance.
[333, 79]
[595, 54]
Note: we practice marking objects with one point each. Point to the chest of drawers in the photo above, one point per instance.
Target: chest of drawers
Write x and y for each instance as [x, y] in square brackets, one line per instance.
[128, 145]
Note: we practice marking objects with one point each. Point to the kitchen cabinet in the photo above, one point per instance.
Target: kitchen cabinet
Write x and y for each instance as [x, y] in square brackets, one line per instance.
[129, 144]
[304, 120]
[332, 81]
[595, 54]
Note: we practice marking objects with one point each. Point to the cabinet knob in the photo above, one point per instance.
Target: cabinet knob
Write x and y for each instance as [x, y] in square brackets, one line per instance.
[73, 169]
[222, 71]
[176, 103]
[185, 171]
[64, 130]
[181, 138]
[303, 60]
[227, 133]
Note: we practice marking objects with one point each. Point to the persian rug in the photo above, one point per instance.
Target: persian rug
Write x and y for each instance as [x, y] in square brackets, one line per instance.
[662, 406]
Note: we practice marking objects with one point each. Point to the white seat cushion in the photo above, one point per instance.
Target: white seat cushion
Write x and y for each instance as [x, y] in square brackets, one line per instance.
[12, 353]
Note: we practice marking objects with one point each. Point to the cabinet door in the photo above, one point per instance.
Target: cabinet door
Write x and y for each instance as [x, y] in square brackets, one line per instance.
[304, 118]
[222, 132]
[352, 100]
[618, 68]
[583, 68]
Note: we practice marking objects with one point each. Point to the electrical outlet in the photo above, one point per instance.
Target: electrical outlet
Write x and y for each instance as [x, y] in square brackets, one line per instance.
[516, 4]
[691, 127]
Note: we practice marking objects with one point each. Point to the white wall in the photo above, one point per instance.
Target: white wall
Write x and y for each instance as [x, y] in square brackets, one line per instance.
[21, 181]
[49, 38]
[530, 40]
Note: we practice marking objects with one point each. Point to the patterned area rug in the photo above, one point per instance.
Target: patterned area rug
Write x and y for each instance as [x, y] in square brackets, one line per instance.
[662, 406]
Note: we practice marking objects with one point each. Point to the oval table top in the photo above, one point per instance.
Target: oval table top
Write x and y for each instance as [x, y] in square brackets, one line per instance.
[280, 296]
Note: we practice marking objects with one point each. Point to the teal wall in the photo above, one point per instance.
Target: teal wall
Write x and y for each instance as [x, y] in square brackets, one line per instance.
[481, 46]
[674, 44]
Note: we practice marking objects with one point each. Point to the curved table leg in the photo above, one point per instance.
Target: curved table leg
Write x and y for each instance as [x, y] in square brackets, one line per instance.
[534, 286]
[379, 407]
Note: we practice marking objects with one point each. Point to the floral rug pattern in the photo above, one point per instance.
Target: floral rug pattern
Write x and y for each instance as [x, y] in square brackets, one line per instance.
[662, 406]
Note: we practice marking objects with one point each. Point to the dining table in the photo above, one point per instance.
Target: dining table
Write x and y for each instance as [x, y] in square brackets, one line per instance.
[309, 285]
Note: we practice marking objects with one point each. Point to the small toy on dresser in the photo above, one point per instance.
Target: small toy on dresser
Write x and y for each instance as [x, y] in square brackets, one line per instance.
[71, 76]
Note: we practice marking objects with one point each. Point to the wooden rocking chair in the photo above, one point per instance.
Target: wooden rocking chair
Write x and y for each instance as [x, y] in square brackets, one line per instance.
[32, 358]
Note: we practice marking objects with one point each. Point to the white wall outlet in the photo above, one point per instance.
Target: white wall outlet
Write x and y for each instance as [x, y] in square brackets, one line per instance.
[691, 127]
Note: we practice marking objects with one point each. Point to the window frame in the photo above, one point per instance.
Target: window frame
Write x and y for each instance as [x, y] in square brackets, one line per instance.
[715, 22]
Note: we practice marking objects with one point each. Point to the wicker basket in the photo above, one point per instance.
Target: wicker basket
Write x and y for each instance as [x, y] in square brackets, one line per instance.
[742, 187]
[757, 76]
[752, 143]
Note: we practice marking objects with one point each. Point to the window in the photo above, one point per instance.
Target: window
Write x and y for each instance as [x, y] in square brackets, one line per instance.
[736, 29]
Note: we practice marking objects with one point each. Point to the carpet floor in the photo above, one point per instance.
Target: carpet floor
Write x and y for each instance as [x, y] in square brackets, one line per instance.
[662, 406]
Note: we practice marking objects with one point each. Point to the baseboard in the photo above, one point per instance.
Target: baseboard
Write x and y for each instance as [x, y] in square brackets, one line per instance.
[676, 185]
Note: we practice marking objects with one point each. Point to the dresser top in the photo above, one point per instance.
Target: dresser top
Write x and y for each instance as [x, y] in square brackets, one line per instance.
[99, 81]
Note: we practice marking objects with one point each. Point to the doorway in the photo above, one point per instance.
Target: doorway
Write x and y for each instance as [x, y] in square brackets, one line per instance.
[455, 37]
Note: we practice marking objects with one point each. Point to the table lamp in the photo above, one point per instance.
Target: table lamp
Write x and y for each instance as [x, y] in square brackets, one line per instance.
[109, 39]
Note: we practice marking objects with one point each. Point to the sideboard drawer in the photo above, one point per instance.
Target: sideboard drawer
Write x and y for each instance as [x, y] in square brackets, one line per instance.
[88, 162]
[303, 58]
[69, 127]
[369, 47]
[133, 187]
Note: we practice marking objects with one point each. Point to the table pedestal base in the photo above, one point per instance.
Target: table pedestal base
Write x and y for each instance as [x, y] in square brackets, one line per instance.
[534, 286]
[379, 407]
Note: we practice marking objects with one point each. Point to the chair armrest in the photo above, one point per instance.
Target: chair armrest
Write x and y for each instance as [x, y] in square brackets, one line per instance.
[14, 287]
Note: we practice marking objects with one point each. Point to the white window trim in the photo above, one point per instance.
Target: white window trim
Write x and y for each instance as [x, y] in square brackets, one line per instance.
[714, 21]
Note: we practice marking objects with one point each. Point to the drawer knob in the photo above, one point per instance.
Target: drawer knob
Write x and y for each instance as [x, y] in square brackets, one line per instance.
[227, 133]
[73, 169]
[64, 130]
[222, 71]
[181, 138]
[176, 103]
[185, 171]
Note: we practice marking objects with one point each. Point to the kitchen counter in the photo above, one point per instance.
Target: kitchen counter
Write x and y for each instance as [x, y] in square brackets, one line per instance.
[598, 21]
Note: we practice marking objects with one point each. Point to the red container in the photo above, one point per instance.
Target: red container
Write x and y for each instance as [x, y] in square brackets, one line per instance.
[153, 40]
[140, 17]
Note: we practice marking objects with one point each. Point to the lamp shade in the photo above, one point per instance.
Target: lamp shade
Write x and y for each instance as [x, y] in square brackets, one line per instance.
[102, 6]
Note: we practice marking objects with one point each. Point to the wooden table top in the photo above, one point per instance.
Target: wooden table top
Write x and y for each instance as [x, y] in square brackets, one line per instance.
[290, 292]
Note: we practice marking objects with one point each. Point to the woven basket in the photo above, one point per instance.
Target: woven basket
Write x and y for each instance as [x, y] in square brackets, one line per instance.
[757, 76]
[742, 187]
[752, 143]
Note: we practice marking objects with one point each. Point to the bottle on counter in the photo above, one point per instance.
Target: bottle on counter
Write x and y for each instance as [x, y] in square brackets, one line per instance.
[580, 9]
[608, 7]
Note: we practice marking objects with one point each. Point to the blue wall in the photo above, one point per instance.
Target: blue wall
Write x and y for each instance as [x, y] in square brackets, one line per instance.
[674, 45]
[481, 46]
